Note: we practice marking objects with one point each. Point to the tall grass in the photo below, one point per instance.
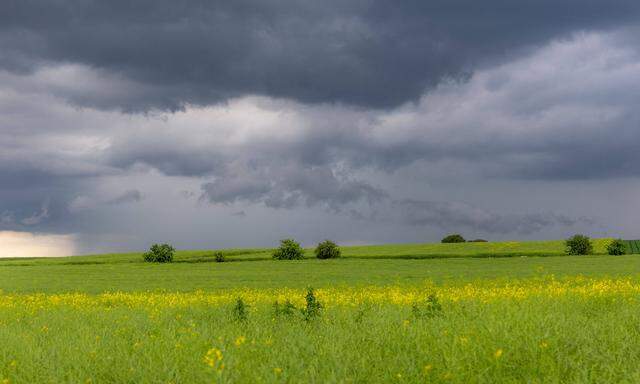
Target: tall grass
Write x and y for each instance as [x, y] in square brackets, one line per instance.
[576, 331]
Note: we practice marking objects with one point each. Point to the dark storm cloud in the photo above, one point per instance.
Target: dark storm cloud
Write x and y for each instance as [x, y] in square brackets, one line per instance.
[33, 214]
[168, 54]
[8, 218]
[564, 111]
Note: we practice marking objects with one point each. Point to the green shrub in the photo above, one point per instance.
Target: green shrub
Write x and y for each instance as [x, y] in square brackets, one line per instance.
[432, 307]
[617, 247]
[240, 310]
[327, 250]
[579, 245]
[286, 309]
[312, 307]
[159, 253]
[454, 238]
[219, 257]
[289, 250]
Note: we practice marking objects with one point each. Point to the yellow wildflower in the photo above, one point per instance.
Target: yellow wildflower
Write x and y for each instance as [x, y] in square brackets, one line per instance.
[240, 340]
[213, 359]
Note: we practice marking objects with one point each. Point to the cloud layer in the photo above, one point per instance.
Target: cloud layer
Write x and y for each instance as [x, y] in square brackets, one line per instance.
[167, 55]
[398, 123]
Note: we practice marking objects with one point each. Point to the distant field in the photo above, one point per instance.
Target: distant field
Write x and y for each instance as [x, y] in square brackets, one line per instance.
[362, 265]
[388, 251]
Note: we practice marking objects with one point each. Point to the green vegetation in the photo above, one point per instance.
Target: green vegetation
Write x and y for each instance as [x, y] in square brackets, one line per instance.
[455, 238]
[564, 336]
[360, 265]
[387, 251]
[289, 250]
[463, 312]
[327, 250]
[617, 247]
[159, 253]
[219, 257]
[579, 245]
[633, 246]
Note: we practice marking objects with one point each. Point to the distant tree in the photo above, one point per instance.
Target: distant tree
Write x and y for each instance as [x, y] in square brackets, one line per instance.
[579, 245]
[617, 247]
[327, 250]
[159, 253]
[219, 257]
[478, 241]
[289, 250]
[454, 238]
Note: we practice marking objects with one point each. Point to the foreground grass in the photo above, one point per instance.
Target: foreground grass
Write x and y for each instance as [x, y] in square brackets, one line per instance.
[572, 330]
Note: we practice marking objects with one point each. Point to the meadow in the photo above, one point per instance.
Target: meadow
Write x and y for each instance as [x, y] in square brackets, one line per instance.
[396, 313]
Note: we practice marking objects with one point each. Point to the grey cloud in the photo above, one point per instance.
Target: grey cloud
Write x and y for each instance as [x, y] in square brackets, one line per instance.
[452, 216]
[83, 202]
[515, 123]
[8, 218]
[286, 186]
[187, 194]
[566, 111]
[168, 55]
[37, 217]
[130, 196]
[165, 155]
[549, 115]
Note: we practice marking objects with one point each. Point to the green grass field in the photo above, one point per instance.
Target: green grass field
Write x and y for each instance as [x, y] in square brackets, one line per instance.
[473, 312]
[633, 246]
[254, 268]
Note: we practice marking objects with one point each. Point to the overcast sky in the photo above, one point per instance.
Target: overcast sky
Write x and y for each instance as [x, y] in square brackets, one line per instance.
[210, 124]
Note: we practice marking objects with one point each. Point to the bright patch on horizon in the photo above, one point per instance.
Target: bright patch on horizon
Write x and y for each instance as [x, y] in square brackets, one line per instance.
[26, 244]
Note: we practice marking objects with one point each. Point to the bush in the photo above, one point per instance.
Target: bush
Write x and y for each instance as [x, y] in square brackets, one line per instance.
[312, 307]
[327, 250]
[289, 250]
[240, 310]
[432, 307]
[219, 256]
[617, 247]
[478, 241]
[455, 238]
[159, 253]
[288, 309]
[579, 245]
